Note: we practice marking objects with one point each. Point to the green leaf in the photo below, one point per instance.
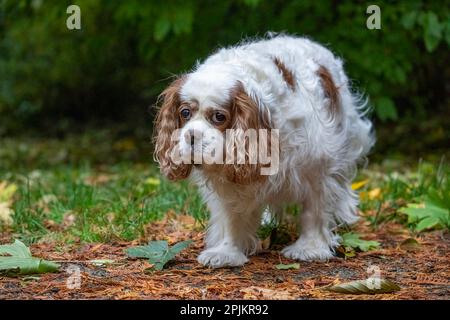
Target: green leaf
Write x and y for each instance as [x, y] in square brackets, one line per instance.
[432, 31]
[409, 19]
[368, 286]
[158, 253]
[427, 223]
[162, 28]
[180, 246]
[385, 109]
[252, 3]
[20, 261]
[287, 266]
[433, 213]
[16, 249]
[352, 240]
[447, 31]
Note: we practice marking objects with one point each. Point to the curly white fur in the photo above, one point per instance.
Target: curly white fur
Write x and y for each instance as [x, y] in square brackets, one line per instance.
[318, 152]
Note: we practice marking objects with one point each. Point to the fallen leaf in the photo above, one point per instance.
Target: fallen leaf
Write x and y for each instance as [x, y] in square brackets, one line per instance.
[371, 195]
[18, 260]
[410, 244]
[353, 240]
[359, 184]
[253, 293]
[98, 179]
[152, 181]
[101, 262]
[7, 191]
[6, 214]
[287, 266]
[368, 286]
[158, 253]
[44, 202]
[68, 220]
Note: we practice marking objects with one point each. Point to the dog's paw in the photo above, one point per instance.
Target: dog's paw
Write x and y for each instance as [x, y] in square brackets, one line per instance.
[308, 251]
[220, 257]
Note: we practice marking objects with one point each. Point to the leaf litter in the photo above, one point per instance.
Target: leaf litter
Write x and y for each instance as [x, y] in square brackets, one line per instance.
[421, 273]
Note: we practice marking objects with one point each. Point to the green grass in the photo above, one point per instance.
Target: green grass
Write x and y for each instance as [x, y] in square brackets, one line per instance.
[84, 188]
[116, 209]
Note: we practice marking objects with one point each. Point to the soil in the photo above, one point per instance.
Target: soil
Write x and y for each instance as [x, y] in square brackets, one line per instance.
[422, 270]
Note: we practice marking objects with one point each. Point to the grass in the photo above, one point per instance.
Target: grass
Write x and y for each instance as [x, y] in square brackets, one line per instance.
[83, 188]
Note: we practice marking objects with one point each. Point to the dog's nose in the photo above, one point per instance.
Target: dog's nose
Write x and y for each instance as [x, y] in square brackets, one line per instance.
[192, 135]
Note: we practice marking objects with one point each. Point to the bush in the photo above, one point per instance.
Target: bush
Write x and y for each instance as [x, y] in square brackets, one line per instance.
[121, 58]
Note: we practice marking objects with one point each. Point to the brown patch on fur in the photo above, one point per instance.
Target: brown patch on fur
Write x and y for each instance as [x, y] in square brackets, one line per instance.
[167, 121]
[330, 89]
[287, 74]
[246, 115]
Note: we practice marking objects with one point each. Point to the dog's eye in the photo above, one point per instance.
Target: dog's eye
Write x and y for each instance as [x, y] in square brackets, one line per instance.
[185, 113]
[218, 117]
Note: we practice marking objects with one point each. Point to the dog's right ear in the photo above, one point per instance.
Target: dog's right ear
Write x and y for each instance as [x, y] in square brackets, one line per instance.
[167, 121]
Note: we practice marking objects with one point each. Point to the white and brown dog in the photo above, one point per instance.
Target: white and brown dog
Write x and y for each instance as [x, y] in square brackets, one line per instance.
[286, 85]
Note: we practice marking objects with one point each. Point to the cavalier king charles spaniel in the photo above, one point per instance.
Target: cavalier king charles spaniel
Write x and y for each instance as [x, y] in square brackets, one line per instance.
[261, 125]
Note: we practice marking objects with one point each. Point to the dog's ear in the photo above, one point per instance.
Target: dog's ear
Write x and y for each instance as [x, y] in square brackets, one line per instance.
[245, 136]
[167, 121]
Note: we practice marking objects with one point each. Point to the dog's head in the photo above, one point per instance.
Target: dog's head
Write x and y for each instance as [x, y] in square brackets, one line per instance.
[206, 119]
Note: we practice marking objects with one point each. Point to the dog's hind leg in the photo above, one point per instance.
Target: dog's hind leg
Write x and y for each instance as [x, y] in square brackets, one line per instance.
[317, 240]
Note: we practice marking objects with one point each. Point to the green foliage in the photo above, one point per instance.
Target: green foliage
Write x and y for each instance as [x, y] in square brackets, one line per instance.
[125, 48]
[432, 213]
[158, 253]
[353, 241]
[16, 258]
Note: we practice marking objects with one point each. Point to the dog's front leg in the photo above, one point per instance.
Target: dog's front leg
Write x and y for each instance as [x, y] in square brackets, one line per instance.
[231, 234]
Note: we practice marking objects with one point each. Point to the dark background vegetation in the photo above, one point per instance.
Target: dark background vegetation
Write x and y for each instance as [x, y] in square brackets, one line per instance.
[55, 81]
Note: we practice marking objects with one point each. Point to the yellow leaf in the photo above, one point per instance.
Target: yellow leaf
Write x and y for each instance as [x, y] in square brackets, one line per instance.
[359, 184]
[7, 191]
[153, 181]
[370, 195]
[374, 194]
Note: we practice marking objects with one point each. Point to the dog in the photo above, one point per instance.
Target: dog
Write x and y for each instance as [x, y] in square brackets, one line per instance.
[294, 98]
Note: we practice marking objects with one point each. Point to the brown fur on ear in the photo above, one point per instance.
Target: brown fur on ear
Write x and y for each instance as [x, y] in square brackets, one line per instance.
[330, 90]
[246, 115]
[167, 121]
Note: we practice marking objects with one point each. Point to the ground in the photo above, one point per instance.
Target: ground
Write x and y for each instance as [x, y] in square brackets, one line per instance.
[83, 198]
[422, 273]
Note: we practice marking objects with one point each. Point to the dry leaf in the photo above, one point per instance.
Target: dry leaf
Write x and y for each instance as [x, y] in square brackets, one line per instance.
[98, 179]
[253, 293]
[368, 286]
[6, 214]
[68, 220]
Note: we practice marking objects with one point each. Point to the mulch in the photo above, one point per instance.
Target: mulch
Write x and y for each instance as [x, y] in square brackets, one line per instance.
[422, 272]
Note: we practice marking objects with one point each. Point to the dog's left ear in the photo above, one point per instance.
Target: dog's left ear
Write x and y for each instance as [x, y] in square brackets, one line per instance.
[167, 121]
[248, 119]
